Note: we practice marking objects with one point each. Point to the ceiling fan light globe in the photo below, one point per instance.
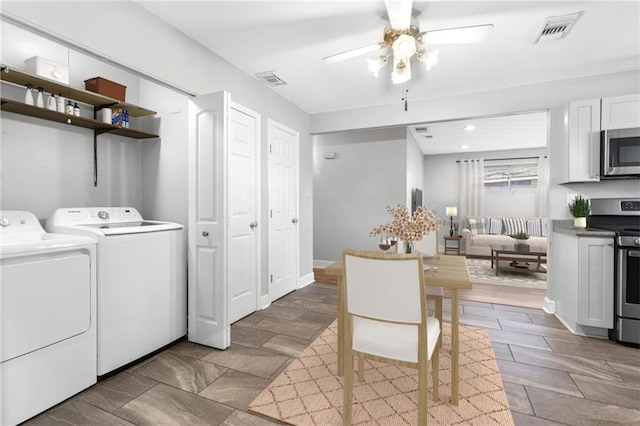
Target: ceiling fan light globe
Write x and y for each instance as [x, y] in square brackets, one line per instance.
[401, 72]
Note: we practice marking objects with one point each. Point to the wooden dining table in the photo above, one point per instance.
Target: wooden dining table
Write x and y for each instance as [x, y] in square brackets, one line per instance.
[452, 274]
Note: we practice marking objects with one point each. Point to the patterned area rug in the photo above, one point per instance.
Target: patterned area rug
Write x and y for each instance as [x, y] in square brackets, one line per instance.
[481, 272]
[310, 393]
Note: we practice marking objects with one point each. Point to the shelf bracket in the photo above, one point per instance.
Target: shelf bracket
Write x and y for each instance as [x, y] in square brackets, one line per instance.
[95, 158]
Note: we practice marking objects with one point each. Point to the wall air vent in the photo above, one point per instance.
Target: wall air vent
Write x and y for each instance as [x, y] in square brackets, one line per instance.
[557, 27]
[270, 78]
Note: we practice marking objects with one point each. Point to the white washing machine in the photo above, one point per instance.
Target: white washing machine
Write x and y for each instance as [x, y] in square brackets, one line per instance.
[47, 316]
[142, 280]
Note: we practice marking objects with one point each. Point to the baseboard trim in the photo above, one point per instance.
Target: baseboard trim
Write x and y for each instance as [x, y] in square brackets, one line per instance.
[549, 306]
[305, 280]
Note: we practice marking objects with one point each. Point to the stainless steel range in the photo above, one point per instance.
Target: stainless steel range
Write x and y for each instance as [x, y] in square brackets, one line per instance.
[623, 217]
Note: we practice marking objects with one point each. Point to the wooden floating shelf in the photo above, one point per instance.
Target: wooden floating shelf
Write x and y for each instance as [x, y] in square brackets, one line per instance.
[58, 117]
[21, 78]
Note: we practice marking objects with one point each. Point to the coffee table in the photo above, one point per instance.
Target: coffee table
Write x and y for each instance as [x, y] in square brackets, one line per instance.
[524, 253]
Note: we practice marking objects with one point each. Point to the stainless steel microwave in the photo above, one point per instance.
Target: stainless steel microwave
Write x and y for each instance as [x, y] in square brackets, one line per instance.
[620, 153]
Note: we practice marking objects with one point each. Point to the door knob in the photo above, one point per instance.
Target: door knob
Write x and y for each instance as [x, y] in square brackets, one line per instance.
[294, 220]
[205, 233]
[253, 225]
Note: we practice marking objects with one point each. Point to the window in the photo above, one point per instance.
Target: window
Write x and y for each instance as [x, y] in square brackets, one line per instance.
[507, 176]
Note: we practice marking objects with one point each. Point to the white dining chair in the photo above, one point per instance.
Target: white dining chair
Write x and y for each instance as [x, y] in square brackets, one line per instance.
[386, 319]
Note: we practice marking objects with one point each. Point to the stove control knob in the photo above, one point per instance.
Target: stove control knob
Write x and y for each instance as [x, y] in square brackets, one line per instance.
[636, 241]
[4, 222]
[103, 214]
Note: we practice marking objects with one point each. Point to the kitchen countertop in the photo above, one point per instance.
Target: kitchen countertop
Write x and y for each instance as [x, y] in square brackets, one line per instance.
[565, 226]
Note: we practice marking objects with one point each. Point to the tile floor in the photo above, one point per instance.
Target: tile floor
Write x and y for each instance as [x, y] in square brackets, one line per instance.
[551, 377]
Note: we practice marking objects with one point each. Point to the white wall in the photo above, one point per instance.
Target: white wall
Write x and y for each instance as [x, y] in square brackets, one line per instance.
[415, 177]
[352, 191]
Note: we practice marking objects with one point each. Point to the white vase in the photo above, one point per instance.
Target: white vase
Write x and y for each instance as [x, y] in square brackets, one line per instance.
[580, 222]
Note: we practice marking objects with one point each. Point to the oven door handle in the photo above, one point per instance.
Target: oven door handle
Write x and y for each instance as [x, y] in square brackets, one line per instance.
[633, 253]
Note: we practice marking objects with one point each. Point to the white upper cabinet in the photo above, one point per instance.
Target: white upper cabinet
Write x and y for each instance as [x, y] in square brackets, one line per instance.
[580, 141]
[621, 112]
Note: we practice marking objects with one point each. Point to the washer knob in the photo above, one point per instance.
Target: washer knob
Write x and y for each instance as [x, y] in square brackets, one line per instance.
[102, 214]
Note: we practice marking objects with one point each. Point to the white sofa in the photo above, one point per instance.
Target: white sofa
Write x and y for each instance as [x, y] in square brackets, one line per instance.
[477, 241]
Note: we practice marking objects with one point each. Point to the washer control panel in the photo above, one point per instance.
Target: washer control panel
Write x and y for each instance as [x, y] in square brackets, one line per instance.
[93, 215]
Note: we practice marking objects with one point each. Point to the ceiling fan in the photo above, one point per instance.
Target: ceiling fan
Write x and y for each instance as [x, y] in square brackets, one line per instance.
[406, 40]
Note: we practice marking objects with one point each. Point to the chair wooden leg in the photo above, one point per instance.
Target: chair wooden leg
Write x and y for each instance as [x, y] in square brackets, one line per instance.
[422, 393]
[435, 373]
[360, 369]
[348, 388]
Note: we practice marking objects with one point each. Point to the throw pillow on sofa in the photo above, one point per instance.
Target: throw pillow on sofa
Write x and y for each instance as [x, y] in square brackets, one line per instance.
[494, 226]
[514, 225]
[476, 226]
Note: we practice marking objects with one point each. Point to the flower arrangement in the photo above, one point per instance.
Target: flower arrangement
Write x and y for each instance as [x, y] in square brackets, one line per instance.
[406, 227]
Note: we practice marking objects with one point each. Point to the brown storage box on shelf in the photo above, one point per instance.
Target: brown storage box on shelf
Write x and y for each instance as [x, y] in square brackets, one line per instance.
[106, 87]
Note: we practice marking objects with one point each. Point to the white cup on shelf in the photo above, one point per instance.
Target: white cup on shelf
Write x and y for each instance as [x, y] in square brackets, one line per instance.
[105, 115]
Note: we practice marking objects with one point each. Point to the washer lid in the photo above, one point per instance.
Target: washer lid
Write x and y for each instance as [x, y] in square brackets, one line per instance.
[119, 228]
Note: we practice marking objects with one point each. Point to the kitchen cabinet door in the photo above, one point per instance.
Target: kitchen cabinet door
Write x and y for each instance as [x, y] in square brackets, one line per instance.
[621, 112]
[580, 141]
[595, 282]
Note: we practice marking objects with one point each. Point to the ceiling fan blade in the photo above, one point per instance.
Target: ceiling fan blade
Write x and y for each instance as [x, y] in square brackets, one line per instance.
[472, 34]
[399, 12]
[351, 53]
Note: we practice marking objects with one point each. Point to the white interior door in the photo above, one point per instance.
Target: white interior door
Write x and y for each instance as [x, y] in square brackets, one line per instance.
[243, 258]
[283, 209]
[208, 314]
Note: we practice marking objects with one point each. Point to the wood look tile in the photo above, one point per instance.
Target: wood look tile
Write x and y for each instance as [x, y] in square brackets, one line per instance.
[259, 362]
[525, 310]
[618, 393]
[628, 373]
[314, 306]
[520, 419]
[296, 329]
[116, 391]
[502, 351]
[286, 345]
[564, 362]
[251, 337]
[236, 389]
[190, 349]
[549, 320]
[166, 405]
[473, 320]
[539, 377]
[283, 312]
[517, 397]
[77, 412]
[596, 349]
[318, 318]
[513, 338]
[240, 418]
[579, 411]
[493, 313]
[182, 372]
[540, 330]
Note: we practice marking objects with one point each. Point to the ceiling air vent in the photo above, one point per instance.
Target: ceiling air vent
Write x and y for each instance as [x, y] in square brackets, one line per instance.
[557, 27]
[270, 78]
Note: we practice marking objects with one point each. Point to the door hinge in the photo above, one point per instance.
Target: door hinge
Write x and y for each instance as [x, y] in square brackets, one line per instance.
[271, 278]
[270, 148]
[270, 213]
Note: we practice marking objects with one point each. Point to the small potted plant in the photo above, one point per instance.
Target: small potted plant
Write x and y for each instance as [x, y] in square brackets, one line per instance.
[521, 237]
[579, 209]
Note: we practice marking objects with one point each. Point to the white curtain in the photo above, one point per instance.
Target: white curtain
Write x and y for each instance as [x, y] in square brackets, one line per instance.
[543, 186]
[471, 201]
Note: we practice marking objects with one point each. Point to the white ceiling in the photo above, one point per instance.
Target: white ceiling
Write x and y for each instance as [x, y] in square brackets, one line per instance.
[290, 38]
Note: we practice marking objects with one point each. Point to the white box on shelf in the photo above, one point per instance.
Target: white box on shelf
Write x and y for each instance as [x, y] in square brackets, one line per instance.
[48, 69]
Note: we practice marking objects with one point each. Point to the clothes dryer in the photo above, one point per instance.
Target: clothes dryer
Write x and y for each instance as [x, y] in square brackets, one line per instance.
[47, 316]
